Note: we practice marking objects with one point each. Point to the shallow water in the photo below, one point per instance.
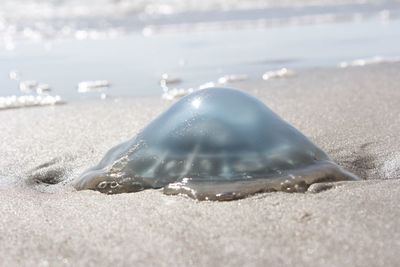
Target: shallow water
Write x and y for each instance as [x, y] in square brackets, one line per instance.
[196, 51]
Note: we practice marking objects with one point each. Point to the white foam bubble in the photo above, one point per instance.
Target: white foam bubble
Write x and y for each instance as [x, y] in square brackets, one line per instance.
[280, 73]
[368, 61]
[167, 79]
[93, 86]
[28, 86]
[176, 93]
[14, 75]
[232, 78]
[8, 102]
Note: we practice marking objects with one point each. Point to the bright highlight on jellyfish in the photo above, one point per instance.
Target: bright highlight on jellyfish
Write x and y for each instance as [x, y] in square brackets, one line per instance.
[214, 144]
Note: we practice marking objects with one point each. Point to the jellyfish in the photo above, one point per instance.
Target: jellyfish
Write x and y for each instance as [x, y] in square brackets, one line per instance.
[214, 144]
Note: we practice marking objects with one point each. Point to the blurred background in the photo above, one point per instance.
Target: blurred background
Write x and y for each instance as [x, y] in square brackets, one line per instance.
[54, 51]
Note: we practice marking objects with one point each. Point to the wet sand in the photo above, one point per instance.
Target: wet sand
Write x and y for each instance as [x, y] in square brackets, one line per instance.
[352, 114]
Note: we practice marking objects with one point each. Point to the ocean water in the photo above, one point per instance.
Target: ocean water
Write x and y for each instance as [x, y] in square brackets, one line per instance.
[71, 50]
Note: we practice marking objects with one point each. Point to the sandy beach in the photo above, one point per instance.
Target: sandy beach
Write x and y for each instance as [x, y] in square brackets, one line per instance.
[351, 113]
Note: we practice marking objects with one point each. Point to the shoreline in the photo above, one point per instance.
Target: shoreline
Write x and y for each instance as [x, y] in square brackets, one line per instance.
[79, 69]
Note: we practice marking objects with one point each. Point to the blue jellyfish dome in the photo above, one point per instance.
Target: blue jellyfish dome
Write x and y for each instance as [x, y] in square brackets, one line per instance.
[216, 143]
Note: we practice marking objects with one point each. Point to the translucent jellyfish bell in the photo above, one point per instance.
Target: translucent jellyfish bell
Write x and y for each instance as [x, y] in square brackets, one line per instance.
[214, 144]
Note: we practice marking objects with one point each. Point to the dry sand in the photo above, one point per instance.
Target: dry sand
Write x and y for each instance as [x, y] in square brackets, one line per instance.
[353, 114]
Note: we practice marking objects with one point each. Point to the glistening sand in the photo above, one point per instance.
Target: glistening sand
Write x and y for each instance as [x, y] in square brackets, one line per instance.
[353, 114]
